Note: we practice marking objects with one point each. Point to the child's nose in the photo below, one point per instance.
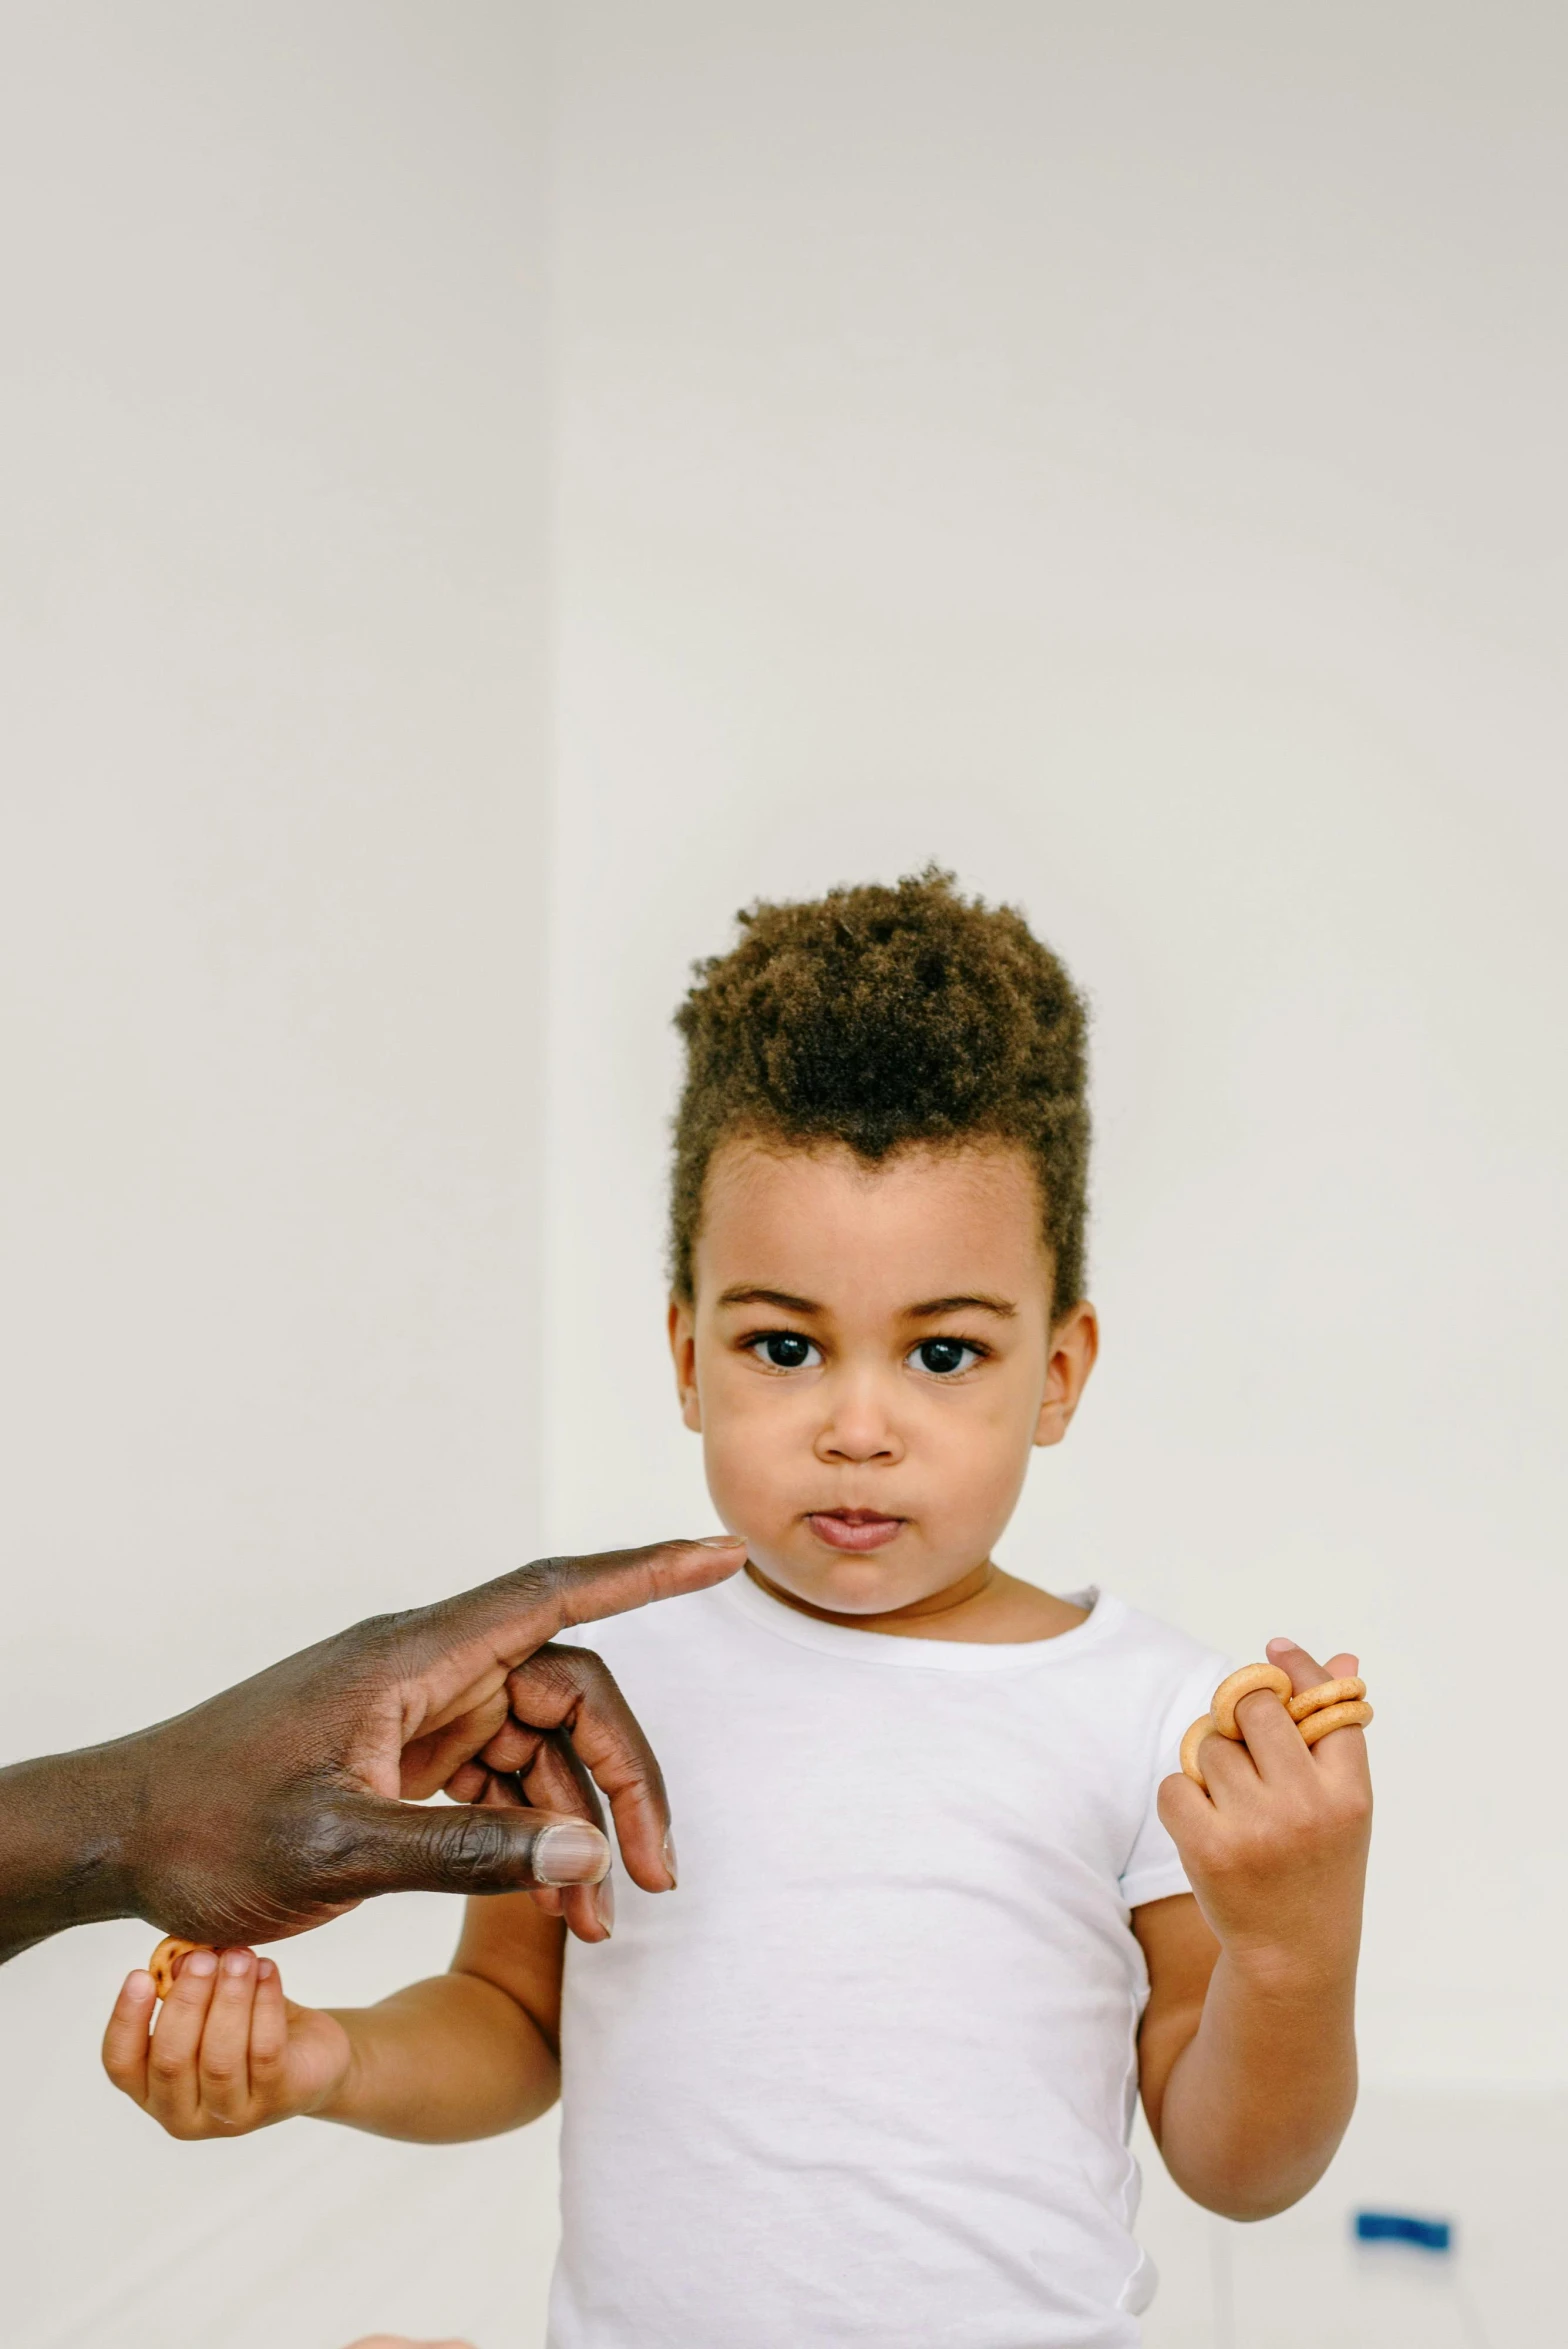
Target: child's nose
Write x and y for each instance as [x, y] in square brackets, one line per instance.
[859, 1425]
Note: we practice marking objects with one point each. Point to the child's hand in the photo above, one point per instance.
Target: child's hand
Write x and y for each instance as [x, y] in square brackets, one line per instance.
[1276, 1850]
[230, 2053]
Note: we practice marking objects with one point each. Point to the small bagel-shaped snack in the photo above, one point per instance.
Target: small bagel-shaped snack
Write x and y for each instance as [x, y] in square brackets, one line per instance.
[1202, 1728]
[1242, 1684]
[167, 1959]
[1354, 1715]
[1327, 1692]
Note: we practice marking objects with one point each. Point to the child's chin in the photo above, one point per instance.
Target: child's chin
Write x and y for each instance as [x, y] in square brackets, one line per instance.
[851, 1586]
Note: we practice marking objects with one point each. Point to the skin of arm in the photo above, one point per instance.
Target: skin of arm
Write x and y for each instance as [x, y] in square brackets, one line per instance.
[1247, 2056]
[470, 2054]
[287, 1800]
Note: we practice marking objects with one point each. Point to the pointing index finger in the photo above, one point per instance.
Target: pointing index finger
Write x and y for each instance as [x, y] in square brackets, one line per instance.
[460, 1649]
[613, 1584]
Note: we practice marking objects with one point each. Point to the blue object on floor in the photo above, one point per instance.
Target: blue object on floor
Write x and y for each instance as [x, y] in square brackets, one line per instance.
[1388, 2226]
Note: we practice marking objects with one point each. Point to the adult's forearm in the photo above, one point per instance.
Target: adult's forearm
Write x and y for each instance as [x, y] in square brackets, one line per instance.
[62, 1844]
[442, 2061]
[1258, 2100]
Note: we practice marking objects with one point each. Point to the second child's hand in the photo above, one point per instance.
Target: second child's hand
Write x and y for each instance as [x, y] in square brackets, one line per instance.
[230, 2053]
[1276, 1849]
[1252, 2106]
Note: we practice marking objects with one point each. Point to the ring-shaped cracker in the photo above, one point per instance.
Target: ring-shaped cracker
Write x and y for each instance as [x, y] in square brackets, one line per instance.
[1354, 1715]
[1327, 1692]
[1242, 1684]
[1189, 1749]
[166, 1960]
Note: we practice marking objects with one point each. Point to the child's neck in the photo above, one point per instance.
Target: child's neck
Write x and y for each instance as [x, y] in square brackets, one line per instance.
[985, 1606]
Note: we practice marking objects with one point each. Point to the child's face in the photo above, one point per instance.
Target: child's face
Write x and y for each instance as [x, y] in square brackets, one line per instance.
[869, 1357]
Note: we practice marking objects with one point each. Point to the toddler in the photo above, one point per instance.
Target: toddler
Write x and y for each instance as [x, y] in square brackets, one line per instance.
[870, 2076]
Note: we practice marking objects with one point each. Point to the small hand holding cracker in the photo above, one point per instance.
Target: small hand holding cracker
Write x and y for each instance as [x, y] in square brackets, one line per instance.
[229, 2052]
[1272, 1819]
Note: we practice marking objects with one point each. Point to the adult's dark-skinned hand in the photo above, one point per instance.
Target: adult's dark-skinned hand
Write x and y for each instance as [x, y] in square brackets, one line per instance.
[289, 1799]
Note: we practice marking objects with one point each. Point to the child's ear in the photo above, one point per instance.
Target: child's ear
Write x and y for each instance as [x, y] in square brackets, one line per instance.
[1074, 1343]
[683, 1353]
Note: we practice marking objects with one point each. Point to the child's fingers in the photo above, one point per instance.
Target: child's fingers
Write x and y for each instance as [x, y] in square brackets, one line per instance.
[1343, 1770]
[223, 2066]
[125, 2040]
[172, 2091]
[1304, 1673]
[1229, 1770]
[269, 2035]
[1186, 1813]
[1342, 1755]
[1272, 1739]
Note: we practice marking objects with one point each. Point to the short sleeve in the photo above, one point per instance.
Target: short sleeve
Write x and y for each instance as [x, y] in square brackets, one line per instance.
[1154, 1870]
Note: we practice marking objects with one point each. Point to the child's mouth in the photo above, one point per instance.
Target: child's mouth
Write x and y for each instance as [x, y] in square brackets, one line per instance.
[854, 1529]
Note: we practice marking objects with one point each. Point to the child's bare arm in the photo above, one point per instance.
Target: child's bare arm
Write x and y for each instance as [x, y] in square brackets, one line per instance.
[464, 2055]
[1247, 2055]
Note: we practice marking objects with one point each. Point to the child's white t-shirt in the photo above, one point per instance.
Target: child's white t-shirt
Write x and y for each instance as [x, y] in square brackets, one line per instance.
[868, 2076]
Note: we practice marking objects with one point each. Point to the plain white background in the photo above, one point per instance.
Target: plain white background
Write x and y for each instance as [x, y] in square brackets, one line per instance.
[489, 492]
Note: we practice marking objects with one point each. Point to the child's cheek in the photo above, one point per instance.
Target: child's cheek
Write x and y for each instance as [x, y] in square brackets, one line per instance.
[746, 1456]
[976, 1463]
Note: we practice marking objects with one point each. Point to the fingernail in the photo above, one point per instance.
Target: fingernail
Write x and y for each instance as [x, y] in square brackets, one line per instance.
[669, 1854]
[571, 1854]
[201, 1962]
[265, 1969]
[604, 1903]
[722, 1541]
[236, 1961]
[140, 1984]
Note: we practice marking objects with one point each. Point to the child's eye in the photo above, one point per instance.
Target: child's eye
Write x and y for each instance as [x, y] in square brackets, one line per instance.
[785, 1349]
[943, 1356]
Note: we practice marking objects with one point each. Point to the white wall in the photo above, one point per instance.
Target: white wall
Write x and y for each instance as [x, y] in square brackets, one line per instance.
[272, 477]
[1119, 452]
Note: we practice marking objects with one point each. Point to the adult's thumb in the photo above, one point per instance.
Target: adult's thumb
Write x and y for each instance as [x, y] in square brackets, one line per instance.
[366, 1845]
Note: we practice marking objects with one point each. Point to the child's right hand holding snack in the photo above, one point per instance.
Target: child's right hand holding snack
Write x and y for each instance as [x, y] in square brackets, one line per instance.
[229, 2053]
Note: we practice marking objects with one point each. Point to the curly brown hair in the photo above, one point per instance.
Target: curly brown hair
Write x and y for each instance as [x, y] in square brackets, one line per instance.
[879, 1017]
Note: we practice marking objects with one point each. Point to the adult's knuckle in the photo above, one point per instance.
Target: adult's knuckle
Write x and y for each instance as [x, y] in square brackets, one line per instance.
[551, 1574]
[470, 1849]
[539, 1582]
[551, 1685]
